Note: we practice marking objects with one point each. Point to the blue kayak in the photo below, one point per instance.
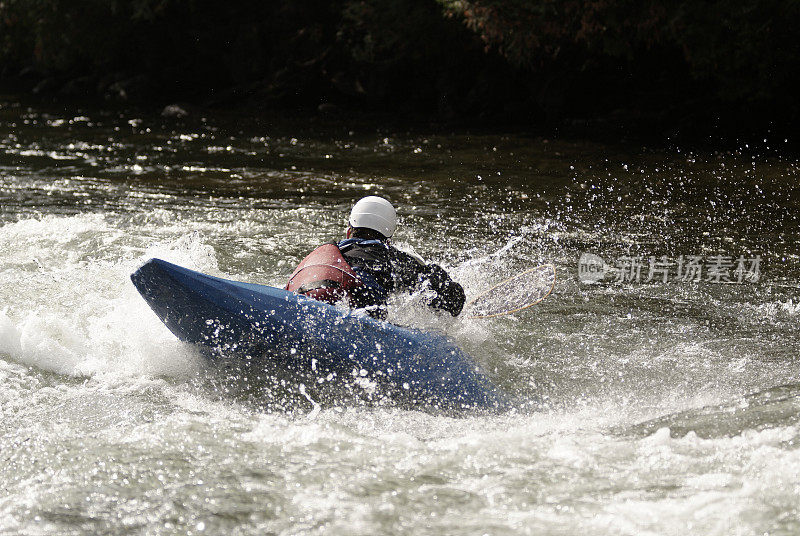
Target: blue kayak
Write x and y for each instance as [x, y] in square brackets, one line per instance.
[252, 324]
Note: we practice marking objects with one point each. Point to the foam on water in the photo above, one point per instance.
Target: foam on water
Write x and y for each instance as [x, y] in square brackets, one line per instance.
[530, 474]
[69, 306]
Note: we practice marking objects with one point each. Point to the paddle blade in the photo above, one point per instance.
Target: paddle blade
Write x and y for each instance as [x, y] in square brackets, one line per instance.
[514, 294]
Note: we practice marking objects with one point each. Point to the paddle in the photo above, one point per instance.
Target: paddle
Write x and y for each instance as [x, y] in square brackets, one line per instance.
[514, 294]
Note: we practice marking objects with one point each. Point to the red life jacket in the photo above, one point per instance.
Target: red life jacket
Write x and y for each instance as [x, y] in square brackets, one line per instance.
[324, 275]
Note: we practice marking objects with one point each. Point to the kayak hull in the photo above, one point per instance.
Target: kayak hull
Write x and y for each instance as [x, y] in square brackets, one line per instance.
[259, 324]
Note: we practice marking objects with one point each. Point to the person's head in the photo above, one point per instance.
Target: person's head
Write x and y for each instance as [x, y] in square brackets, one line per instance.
[372, 218]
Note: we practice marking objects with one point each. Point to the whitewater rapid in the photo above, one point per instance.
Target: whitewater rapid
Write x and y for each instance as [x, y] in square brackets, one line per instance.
[655, 409]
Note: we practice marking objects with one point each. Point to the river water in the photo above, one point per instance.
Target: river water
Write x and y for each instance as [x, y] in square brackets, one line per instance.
[650, 407]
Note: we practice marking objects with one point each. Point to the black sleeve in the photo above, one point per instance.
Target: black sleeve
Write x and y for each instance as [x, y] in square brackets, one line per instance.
[411, 273]
[449, 294]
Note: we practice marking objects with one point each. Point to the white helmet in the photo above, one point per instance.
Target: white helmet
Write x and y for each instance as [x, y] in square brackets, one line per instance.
[374, 213]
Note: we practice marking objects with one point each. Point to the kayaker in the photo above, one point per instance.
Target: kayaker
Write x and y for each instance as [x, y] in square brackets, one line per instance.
[364, 269]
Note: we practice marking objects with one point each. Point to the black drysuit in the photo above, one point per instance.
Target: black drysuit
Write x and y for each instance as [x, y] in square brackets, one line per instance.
[385, 269]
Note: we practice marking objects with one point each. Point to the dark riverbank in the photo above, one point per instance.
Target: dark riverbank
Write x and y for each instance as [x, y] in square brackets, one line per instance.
[656, 71]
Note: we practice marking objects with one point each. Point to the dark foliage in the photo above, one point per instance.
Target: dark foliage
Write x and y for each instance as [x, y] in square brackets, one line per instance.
[738, 53]
[664, 61]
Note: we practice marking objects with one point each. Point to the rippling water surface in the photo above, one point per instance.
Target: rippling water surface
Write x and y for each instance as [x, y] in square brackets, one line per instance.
[659, 408]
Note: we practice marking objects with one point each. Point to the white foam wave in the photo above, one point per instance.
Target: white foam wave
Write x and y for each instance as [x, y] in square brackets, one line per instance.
[68, 305]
